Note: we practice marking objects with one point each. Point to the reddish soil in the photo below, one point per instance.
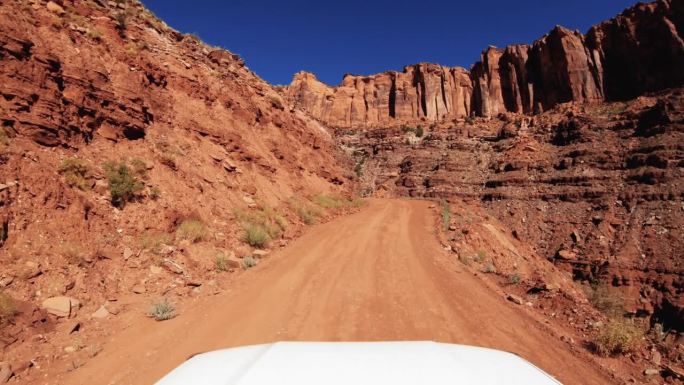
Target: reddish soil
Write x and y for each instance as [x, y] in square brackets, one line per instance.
[379, 274]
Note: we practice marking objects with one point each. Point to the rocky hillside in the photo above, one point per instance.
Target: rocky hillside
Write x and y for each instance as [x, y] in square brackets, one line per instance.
[639, 51]
[573, 142]
[136, 161]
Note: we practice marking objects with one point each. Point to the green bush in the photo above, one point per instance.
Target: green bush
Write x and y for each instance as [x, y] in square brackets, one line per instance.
[193, 230]
[123, 185]
[76, 173]
[328, 202]
[617, 337]
[155, 193]
[419, 131]
[162, 309]
[514, 279]
[249, 262]
[307, 215]
[256, 236]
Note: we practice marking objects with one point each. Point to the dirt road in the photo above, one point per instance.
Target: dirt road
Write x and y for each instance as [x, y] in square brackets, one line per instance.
[379, 274]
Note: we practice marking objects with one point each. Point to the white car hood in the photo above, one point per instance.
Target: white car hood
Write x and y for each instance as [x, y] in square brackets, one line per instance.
[397, 363]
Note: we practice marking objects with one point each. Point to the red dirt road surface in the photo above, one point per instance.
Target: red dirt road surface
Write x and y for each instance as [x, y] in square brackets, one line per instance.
[379, 274]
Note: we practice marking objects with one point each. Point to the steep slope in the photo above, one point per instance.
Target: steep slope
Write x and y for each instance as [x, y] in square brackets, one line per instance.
[133, 159]
[639, 51]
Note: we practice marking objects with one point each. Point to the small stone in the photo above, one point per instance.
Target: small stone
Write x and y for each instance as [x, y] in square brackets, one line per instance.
[567, 255]
[60, 306]
[651, 372]
[127, 253]
[192, 283]
[656, 357]
[155, 270]
[172, 266]
[515, 299]
[31, 270]
[5, 372]
[100, 313]
[260, 253]
[73, 327]
[138, 289]
[452, 228]
[55, 8]
[70, 349]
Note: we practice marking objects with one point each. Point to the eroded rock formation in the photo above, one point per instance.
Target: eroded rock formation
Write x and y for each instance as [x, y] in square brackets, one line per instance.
[639, 51]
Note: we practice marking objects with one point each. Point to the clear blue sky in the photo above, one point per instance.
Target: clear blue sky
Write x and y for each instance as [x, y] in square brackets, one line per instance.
[331, 38]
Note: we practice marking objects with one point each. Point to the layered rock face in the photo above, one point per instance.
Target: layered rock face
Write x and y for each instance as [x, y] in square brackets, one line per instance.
[87, 84]
[639, 51]
[421, 91]
[597, 189]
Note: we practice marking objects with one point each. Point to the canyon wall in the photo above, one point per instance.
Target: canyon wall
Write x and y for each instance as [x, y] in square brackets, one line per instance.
[639, 51]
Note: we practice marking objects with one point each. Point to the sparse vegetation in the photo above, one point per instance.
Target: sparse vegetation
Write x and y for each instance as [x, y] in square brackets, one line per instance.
[193, 230]
[139, 168]
[249, 262]
[154, 241]
[276, 102]
[162, 309]
[514, 279]
[480, 256]
[607, 300]
[489, 268]
[417, 131]
[307, 215]
[4, 139]
[72, 253]
[155, 193]
[221, 262]
[76, 173]
[123, 185]
[95, 34]
[265, 220]
[256, 236]
[617, 337]
[446, 215]
[7, 307]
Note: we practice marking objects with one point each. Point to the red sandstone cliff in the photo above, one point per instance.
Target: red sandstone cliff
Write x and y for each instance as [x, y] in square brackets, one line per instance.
[639, 51]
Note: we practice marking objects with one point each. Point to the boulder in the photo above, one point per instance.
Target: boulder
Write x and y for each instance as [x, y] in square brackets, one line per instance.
[60, 306]
[100, 313]
[5, 372]
[55, 8]
[515, 299]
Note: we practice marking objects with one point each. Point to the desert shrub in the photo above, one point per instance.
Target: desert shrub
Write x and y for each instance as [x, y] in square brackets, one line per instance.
[139, 168]
[489, 268]
[607, 300]
[7, 307]
[480, 256]
[123, 185]
[307, 215]
[155, 193]
[154, 241]
[281, 221]
[256, 236]
[276, 102]
[464, 259]
[618, 336]
[514, 279]
[249, 262]
[72, 253]
[162, 309]
[328, 202]
[419, 131]
[4, 139]
[221, 262]
[193, 230]
[95, 34]
[266, 218]
[446, 215]
[76, 173]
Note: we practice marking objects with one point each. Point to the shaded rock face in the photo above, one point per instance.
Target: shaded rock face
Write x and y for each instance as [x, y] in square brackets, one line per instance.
[596, 188]
[639, 51]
